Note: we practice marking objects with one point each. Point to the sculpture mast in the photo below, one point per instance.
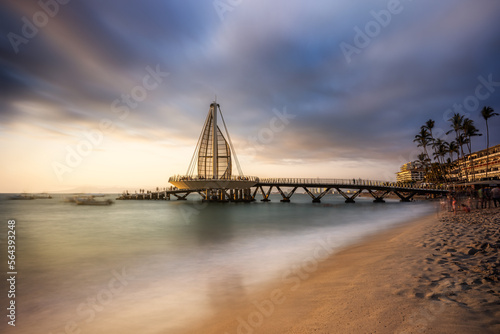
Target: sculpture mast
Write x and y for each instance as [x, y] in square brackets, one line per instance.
[215, 146]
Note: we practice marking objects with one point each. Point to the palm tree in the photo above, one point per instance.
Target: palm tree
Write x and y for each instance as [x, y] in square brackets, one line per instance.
[461, 141]
[429, 125]
[440, 151]
[423, 140]
[422, 160]
[452, 148]
[457, 121]
[469, 131]
[487, 113]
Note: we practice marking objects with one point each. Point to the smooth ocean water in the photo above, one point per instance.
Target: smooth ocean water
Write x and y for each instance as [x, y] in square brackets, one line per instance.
[157, 266]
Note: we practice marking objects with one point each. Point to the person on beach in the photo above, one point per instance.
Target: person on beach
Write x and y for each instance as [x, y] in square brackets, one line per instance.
[454, 205]
[442, 203]
[473, 197]
[449, 200]
[495, 194]
[487, 197]
[465, 208]
[480, 197]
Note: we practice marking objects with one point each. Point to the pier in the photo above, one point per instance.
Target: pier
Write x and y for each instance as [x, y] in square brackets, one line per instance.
[210, 175]
[263, 187]
[377, 189]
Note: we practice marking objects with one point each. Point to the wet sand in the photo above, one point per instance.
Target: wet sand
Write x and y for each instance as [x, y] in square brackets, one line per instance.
[439, 274]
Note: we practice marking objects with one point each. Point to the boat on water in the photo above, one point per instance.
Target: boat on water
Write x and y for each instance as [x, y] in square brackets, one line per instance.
[23, 196]
[81, 197]
[72, 199]
[43, 196]
[91, 201]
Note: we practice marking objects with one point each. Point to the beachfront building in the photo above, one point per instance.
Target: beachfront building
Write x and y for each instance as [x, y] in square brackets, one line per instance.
[473, 166]
[410, 172]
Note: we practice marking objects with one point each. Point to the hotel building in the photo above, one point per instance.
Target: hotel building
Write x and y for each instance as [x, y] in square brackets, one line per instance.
[473, 167]
[410, 173]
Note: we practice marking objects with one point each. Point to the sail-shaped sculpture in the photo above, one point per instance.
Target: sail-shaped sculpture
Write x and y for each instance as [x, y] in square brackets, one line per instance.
[214, 154]
[212, 163]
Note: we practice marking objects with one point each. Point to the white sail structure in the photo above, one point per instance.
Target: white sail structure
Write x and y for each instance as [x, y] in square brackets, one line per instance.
[214, 152]
[211, 166]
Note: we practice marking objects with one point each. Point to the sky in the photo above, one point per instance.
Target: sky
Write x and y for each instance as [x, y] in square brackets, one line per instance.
[112, 95]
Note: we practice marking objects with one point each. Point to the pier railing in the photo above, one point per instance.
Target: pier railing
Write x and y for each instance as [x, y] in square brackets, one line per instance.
[348, 182]
[201, 178]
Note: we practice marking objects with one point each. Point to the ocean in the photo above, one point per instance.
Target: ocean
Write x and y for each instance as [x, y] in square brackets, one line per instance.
[160, 266]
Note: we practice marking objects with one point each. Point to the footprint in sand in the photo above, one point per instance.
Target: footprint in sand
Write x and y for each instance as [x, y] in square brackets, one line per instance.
[419, 295]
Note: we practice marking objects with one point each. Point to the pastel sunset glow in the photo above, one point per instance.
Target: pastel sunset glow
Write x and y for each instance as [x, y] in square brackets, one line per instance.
[112, 95]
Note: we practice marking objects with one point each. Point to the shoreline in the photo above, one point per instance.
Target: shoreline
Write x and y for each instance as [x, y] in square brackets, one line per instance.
[431, 275]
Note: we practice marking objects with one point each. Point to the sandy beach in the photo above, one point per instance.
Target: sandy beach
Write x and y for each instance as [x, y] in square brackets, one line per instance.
[439, 274]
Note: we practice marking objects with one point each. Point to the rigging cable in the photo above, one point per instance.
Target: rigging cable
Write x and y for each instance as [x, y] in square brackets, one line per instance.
[194, 159]
[231, 144]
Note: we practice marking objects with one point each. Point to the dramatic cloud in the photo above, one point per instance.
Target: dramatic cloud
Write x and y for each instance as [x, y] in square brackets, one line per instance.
[359, 79]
